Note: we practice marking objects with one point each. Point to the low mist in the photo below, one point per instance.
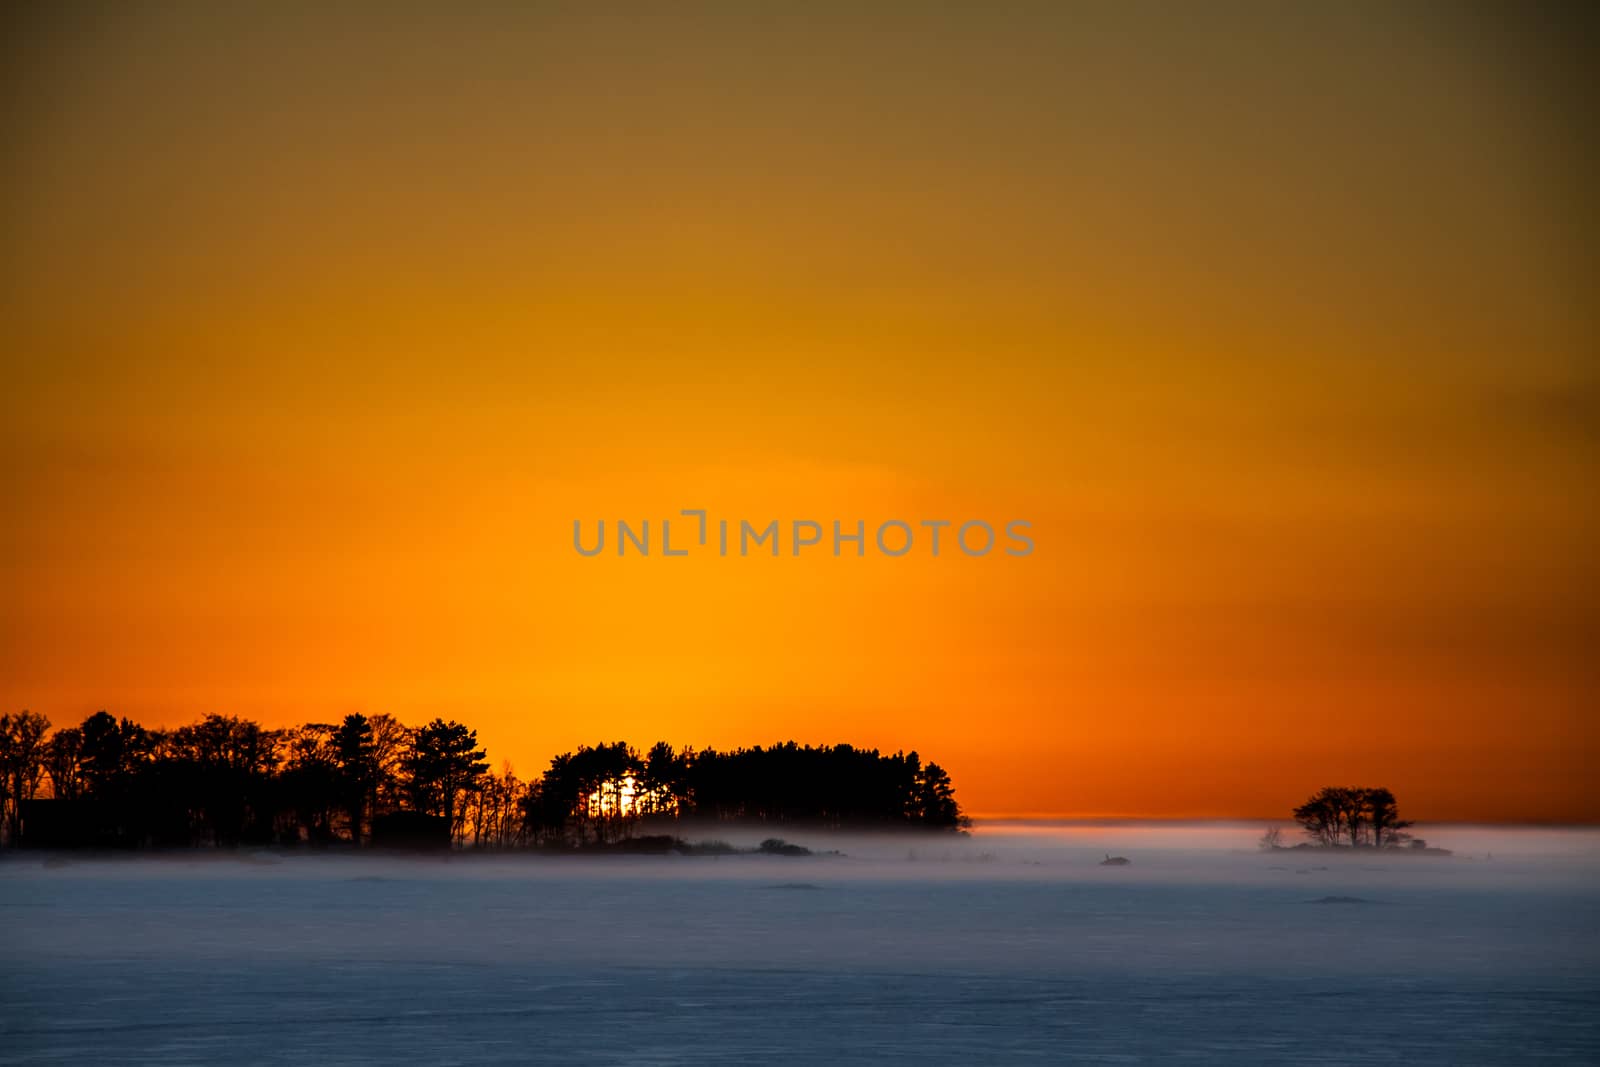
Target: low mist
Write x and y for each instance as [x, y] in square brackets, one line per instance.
[1021, 929]
[1008, 894]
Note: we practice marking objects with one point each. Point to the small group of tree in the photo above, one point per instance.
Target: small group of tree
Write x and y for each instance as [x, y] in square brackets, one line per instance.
[1349, 817]
[226, 781]
[597, 794]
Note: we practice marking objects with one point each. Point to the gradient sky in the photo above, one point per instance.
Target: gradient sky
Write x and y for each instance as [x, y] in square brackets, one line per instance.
[320, 328]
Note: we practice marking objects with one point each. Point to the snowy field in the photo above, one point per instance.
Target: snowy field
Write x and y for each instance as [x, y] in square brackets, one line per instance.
[1013, 946]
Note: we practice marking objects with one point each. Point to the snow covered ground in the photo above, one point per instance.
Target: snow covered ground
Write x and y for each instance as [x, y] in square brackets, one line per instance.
[1014, 945]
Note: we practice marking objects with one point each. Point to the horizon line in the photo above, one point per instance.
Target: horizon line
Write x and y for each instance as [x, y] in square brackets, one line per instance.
[1123, 819]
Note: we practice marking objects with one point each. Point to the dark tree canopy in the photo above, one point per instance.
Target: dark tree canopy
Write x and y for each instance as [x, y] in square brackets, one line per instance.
[226, 781]
[591, 792]
[22, 761]
[445, 760]
[1352, 817]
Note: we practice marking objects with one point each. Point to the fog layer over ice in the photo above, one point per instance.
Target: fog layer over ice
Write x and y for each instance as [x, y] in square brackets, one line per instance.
[1012, 944]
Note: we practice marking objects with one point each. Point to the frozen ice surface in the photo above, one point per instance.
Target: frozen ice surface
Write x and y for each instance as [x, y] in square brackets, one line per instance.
[1012, 946]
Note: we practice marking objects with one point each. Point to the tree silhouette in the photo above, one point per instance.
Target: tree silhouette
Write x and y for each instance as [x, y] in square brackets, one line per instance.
[111, 750]
[227, 764]
[22, 762]
[663, 781]
[309, 783]
[445, 760]
[580, 796]
[936, 798]
[64, 764]
[495, 813]
[391, 747]
[225, 781]
[1383, 815]
[1352, 817]
[355, 752]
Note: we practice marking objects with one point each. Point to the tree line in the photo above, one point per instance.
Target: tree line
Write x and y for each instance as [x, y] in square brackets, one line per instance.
[370, 780]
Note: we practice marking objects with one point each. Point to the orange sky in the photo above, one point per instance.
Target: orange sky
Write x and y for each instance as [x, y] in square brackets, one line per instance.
[320, 329]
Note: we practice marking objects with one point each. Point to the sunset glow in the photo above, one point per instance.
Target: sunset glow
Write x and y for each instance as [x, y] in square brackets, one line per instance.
[321, 335]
